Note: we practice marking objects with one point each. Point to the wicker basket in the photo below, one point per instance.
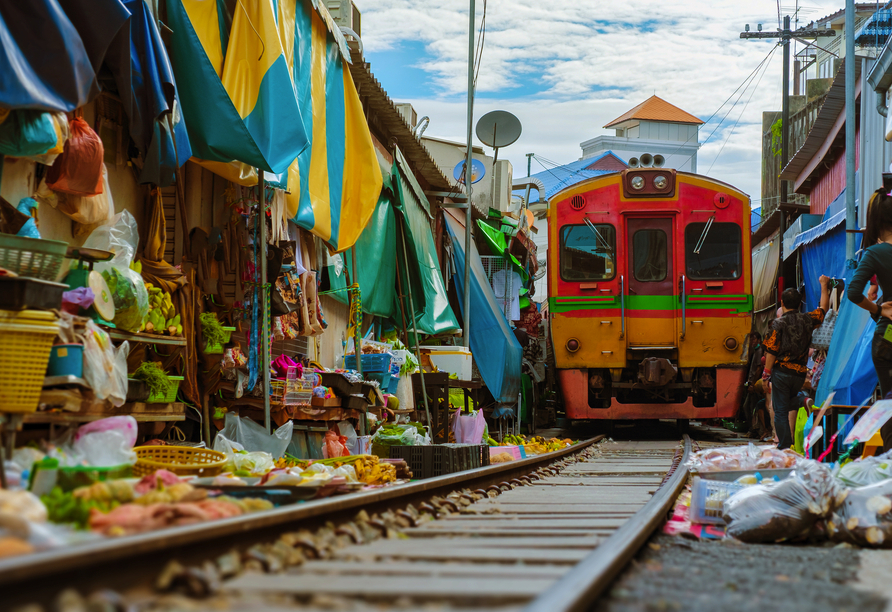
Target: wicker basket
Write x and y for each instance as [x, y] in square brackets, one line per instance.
[32, 257]
[181, 460]
[171, 395]
[26, 338]
[217, 349]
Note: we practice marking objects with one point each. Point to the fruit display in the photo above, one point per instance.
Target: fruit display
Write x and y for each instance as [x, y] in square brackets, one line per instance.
[162, 317]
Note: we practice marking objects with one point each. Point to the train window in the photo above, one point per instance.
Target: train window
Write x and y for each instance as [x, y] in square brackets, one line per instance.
[649, 251]
[588, 252]
[719, 254]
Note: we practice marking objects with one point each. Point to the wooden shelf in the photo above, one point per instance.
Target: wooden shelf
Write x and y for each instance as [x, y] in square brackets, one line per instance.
[143, 413]
[117, 334]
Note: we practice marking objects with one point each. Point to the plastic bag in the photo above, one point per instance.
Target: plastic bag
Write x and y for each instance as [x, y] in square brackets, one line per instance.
[866, 471]
[128, 289]
[396, 435]
[79, 169]
[469, 429]
[87, 209]
[254, 437]
[750, 457]
[239, 460]
[349, 432]
[334, 445]
[799, 433]
[26, 132]
[105, 368]
[125, 425]
[783, 510]
[864, 517]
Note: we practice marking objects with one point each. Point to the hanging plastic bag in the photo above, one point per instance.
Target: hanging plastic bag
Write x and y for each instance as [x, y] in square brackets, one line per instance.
[79, 169]
[127, 287]
[799, 433]
[783, 510]
[469, 428]
[87, 210]
[25, 132]
[105, 368]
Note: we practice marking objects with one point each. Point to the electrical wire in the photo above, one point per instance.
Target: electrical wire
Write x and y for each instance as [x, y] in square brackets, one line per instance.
[481, 39]
[753, 91]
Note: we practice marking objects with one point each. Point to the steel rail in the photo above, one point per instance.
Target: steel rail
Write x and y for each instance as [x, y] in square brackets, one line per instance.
[113, 554]
[579, 588]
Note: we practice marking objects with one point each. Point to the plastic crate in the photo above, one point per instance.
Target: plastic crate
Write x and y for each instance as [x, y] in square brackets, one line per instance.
[373, 362]
[32, 257]
[339, 383]
[708, 500]
[418, 458]
[217, 349]
[26, 338]
[20, 293]
[383, 379]
[171, 395]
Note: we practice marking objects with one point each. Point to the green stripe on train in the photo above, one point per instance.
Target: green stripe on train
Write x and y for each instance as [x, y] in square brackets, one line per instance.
[739, 304]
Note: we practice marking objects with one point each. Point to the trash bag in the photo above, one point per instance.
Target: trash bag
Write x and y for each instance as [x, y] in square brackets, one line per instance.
[784, 510]
[864, 517]
[866, 471]
[79, 169]
[128, 289]
[26, 132]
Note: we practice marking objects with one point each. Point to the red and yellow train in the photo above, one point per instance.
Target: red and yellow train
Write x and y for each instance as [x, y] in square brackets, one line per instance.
[650, 285]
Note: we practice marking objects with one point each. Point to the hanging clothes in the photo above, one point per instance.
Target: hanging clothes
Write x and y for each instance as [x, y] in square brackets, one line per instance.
[506, 287]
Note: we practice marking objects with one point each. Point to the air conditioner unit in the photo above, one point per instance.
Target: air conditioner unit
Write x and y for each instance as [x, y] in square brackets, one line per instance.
[502, 181]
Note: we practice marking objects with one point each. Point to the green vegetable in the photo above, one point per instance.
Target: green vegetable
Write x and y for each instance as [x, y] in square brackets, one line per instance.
[131, 305]
[155, 378]
[65, 508]
[212, 329]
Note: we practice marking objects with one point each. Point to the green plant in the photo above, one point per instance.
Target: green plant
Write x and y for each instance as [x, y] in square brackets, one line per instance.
[212, 329]
[155, 378]
[777, 135]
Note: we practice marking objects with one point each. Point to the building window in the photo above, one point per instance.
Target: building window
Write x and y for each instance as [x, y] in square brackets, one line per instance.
[588, 252]
[719, 252]
[649, 252]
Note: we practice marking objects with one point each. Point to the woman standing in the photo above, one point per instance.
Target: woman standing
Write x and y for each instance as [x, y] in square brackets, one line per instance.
[876, 260]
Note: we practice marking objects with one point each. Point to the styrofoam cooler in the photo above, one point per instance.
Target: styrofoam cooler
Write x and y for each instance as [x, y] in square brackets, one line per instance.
[452, 359]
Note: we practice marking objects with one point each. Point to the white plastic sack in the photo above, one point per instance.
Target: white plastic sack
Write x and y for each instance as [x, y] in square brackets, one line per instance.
[253, 437]
[105, 367]
[238, 460]
[347, 430]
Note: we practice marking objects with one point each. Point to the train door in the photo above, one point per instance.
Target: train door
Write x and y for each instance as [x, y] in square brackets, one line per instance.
[650, 295]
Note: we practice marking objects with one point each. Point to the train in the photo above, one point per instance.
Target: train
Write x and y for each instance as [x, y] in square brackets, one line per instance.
[650, 295]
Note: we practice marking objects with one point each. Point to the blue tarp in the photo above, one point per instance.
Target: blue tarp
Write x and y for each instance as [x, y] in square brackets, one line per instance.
[849, 367]
[496, 351]
[824, 256]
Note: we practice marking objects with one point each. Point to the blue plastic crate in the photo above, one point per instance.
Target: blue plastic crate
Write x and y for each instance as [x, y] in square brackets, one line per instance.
[375, 362]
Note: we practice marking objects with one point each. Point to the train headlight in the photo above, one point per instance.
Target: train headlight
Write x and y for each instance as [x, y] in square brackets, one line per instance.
[731, 343]
[637, 182]
[572, 345]
[661, 182]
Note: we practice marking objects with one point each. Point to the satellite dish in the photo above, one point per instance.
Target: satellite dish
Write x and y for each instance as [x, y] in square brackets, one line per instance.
[478, 170]
[498, 129]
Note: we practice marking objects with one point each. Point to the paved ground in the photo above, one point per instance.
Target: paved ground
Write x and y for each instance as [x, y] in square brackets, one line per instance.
[727, 576]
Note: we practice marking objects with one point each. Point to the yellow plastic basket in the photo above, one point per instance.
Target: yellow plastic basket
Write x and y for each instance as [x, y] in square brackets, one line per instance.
[26, 338]
[181, 460]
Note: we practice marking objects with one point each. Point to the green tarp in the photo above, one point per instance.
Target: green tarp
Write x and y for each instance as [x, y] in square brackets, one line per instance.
[379, 252]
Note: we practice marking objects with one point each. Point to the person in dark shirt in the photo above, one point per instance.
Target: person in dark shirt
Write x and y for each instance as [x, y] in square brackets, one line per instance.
[876, 259]
[757, 352]
[786, 345]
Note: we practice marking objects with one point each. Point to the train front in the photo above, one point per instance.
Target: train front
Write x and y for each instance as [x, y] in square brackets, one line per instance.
[650, 285]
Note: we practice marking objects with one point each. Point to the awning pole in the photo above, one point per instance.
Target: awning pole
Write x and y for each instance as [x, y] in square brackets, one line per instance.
[264, 301]
[850, 59]
[427, 411]
[468, 173]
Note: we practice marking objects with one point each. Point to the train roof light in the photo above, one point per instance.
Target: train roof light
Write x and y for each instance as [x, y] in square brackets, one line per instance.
[637, 182]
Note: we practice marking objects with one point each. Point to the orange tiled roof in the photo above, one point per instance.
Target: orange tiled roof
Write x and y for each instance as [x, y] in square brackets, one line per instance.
[656, 109]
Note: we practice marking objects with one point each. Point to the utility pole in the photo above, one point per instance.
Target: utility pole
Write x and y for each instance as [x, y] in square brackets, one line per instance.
[851, 223]
[469, 216]
[785, 35]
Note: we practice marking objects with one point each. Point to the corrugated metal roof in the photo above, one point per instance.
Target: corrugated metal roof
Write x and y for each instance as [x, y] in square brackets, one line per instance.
[823, 128]
[558, 178]
[656, 109]
[393, 122]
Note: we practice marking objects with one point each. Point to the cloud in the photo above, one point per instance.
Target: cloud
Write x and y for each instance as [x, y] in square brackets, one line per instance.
[566, 69]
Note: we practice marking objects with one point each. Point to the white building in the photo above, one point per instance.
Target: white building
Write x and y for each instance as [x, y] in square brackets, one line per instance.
[653, 127]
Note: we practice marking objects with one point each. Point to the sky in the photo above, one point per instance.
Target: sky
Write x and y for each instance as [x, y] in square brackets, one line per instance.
[566, 69]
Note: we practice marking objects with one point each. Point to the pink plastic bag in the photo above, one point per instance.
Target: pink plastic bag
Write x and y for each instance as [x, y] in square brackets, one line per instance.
[468, 429]
[125, 425]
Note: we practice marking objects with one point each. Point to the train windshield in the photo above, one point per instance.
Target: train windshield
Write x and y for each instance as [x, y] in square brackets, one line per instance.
[718, 255]
[588, 252]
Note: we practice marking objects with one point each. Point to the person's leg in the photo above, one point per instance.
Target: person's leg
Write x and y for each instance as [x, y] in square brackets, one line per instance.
[881, 351]
[784, 388]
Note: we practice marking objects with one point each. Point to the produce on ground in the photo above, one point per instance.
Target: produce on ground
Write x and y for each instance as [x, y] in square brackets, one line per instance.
[537, 445]
[750, 457]
[501, 458]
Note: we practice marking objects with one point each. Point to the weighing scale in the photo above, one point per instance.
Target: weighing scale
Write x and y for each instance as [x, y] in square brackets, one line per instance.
[81, 275]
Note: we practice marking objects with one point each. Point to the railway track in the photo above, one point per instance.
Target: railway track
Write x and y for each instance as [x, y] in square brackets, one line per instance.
[554, 543]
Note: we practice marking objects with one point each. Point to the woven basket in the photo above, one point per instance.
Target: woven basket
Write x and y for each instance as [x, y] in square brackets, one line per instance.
[26, 339]
[181, 460]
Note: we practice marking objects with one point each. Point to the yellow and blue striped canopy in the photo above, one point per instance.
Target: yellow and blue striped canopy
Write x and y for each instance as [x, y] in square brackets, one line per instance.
[269, 87]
